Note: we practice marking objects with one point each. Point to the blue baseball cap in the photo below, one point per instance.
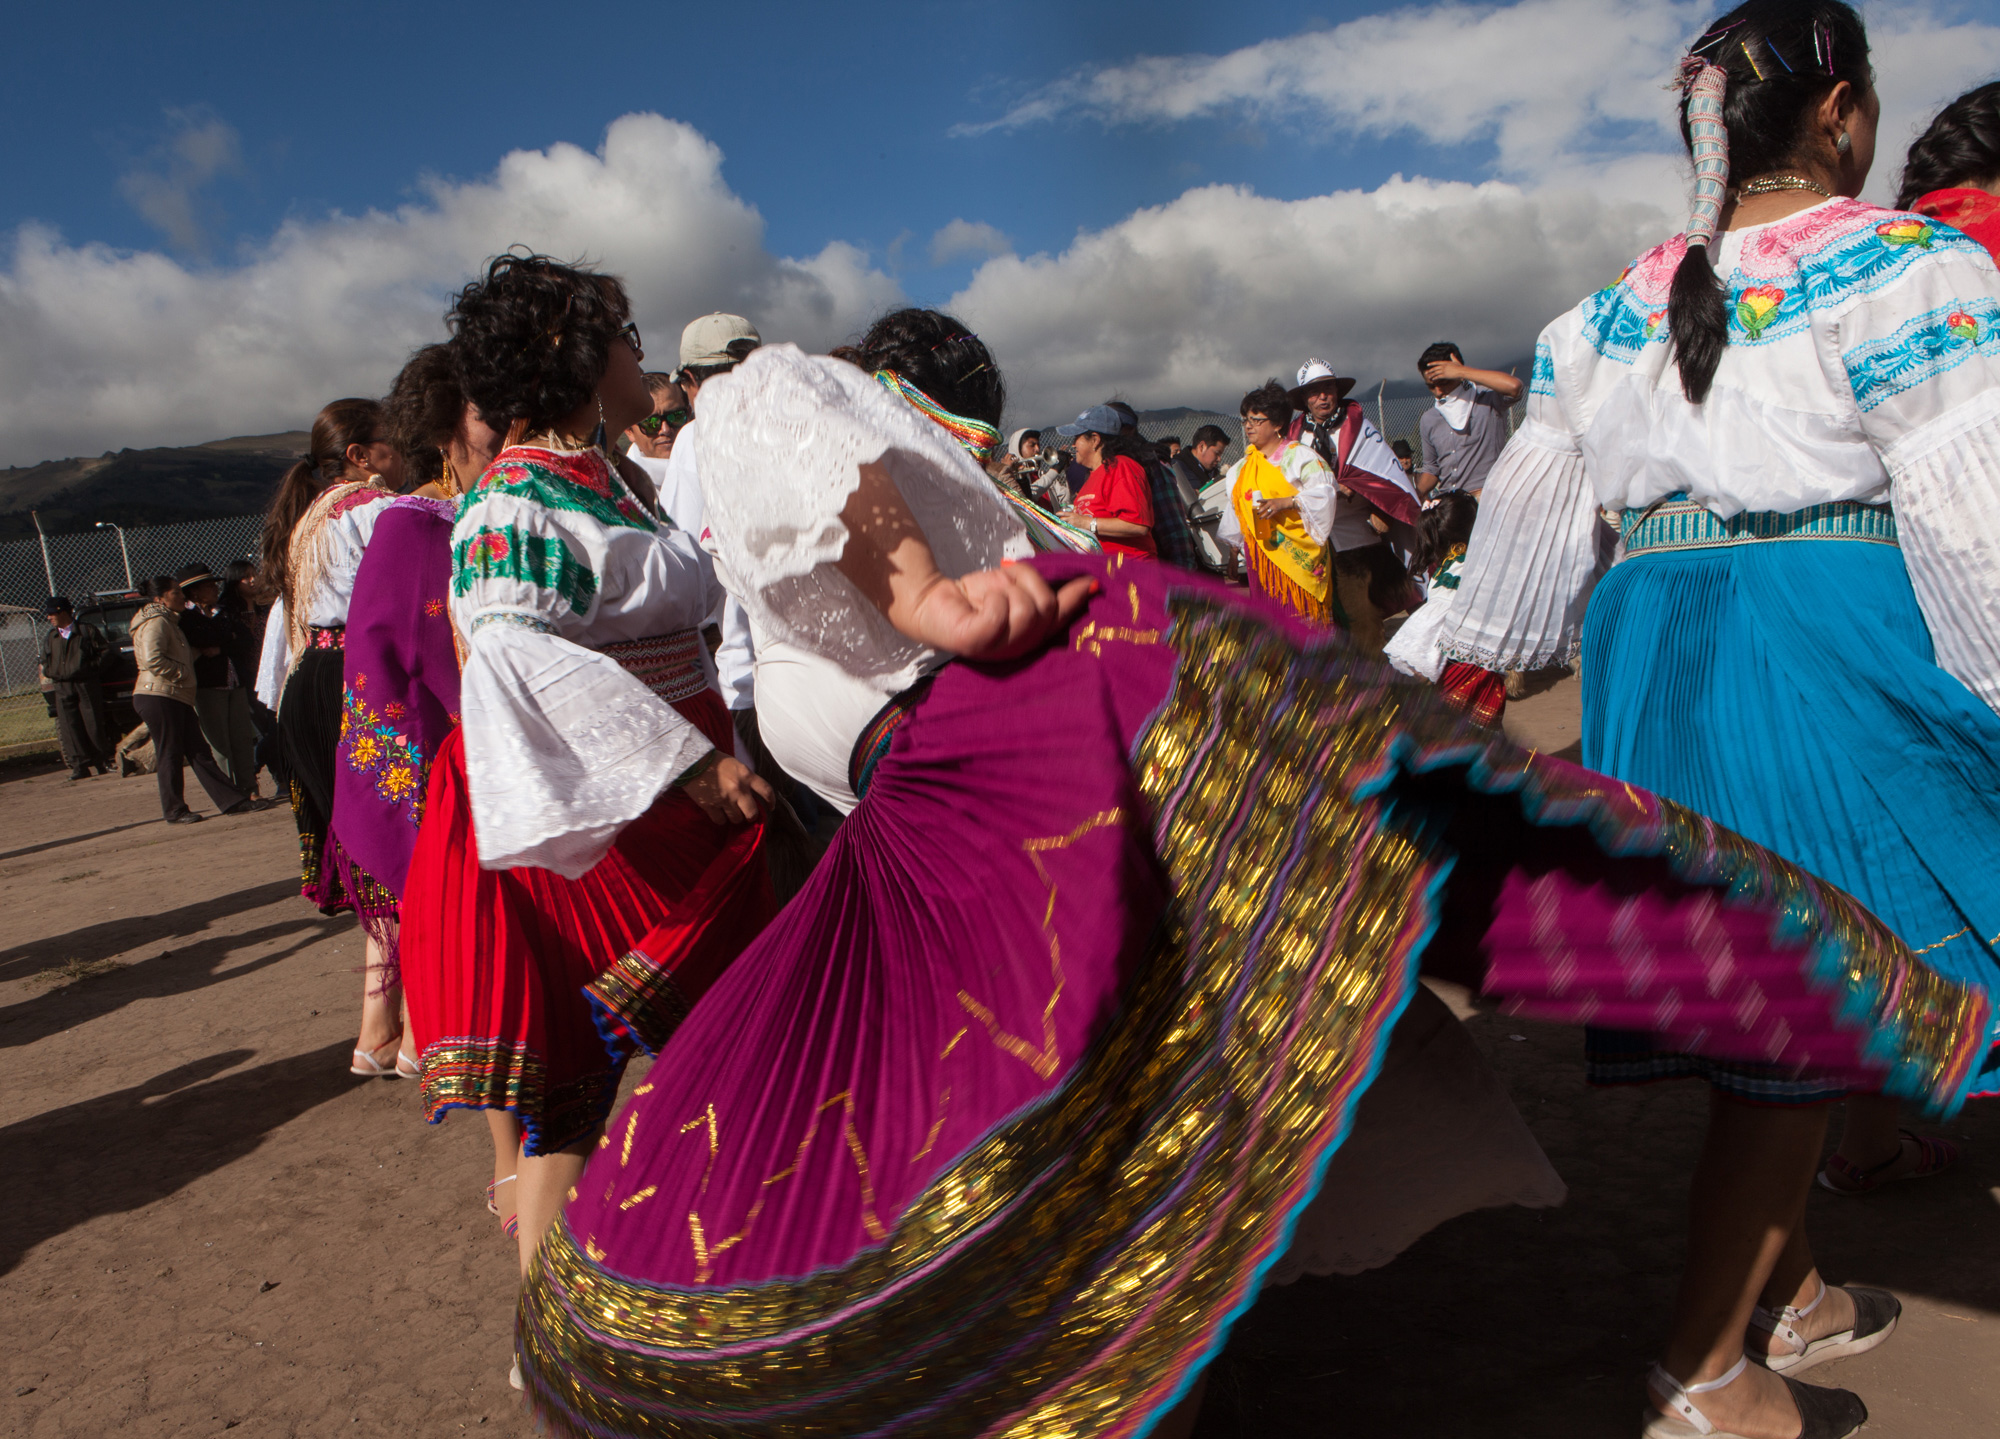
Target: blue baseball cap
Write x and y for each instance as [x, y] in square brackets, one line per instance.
[1098, 419]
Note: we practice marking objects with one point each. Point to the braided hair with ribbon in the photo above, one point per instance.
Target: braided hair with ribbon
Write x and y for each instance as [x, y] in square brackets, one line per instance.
[1749, 86]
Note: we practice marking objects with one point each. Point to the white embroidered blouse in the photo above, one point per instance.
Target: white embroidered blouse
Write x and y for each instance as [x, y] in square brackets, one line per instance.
[783, 438]
[553, 559]
[1863, 364]
[344, 537]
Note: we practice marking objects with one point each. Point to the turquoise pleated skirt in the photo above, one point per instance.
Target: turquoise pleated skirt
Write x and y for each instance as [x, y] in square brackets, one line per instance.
[1787, 688]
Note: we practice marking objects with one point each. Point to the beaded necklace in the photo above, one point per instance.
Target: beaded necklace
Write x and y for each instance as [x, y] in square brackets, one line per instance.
[978, 438]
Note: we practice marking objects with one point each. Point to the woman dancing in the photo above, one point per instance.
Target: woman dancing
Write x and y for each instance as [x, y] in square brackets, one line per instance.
[584, 824]
[1001, 1122]
[314, 537]
[1795, 408]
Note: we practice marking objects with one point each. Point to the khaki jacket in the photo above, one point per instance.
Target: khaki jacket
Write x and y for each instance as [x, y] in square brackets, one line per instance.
[165, 660]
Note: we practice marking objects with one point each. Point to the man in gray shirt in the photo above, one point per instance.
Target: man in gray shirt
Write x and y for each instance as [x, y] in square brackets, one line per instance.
[1464, 432]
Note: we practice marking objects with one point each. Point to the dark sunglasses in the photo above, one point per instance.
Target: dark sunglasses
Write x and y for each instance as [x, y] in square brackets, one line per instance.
[671, 420]
[630, 335]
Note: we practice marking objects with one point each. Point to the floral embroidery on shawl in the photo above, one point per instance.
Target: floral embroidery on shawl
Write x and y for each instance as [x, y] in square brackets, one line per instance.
[371, 745]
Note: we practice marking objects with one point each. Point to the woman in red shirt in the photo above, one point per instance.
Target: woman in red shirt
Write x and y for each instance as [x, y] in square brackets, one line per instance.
[1114, 503]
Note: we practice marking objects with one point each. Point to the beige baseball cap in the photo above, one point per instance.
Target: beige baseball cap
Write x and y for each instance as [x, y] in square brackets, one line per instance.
[718, 339]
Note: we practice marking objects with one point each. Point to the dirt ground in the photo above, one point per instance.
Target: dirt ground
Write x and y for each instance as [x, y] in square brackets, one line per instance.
[213, 1226]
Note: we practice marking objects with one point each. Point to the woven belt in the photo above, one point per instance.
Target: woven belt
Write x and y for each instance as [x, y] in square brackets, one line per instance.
[1678, 523]
[873, 741]
[326, 637]
[669, 665]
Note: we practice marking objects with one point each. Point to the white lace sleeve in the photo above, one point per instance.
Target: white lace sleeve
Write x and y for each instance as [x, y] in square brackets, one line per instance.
[274, 662]
[563, 747]
[1538, 547]
[1317, 495]
[783, 437]
[1928, 389]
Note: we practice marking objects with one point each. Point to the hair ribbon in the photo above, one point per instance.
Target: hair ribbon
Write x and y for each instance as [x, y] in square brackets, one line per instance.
[1708, 136]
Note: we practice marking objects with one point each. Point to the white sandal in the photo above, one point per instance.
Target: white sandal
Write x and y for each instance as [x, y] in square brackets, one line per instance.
[1823, 1413]
[1875, 1314]
[369, 1067]
[492, 1205]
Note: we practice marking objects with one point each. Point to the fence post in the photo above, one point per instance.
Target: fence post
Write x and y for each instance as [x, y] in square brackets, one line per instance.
[1381, 409]
[48, 570]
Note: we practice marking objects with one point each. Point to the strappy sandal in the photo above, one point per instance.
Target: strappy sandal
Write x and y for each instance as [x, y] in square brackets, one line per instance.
[1823, 1413]
[492, 1206]
[1875, 1314]
[407, 1066]
[369, 1067]
[1934, 1155]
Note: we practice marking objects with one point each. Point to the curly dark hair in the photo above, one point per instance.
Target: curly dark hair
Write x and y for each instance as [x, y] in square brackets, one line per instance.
[423, 410]
[532, 338]
[1783, 56]
[1960, 149]
[939, 356]
[1271, 400]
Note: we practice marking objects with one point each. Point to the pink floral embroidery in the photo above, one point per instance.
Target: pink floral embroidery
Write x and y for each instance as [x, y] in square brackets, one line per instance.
[433, 608]
[490, 548]
[1652, 274]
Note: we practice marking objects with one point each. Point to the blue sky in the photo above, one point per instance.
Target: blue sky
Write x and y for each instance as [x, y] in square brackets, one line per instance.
[216, 220]
[834, 120]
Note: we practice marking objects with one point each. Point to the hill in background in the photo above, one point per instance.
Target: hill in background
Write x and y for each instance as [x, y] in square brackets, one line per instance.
[148, 487]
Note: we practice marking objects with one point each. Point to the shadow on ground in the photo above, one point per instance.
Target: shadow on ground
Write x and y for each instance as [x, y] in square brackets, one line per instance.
[1541, 1323]
[118, 936]
[28, 849]
[135, 1146]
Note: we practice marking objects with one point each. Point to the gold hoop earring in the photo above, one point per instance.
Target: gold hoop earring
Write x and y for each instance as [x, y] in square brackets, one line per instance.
[448, 482]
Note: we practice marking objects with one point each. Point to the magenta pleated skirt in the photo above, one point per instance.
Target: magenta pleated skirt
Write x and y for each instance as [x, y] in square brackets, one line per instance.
[997, 1126]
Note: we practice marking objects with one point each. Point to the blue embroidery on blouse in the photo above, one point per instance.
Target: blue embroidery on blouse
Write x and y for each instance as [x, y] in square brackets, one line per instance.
[1932, 344]
[1543, 381]
[1881, 249]
[1617, 326]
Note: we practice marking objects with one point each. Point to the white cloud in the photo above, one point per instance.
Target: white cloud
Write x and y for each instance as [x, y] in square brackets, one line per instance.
[967, 237]
[1540, 79]
[167, 190]
[101, 348]
[1198, 301]
[1557, 87]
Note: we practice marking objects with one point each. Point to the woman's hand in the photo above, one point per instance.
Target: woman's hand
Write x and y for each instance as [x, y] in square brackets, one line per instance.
[1266, 509]
[996, 614]
[729, 792]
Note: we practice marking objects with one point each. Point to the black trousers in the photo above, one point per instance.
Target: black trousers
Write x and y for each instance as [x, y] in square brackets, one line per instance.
[83, 723]
[176, 741]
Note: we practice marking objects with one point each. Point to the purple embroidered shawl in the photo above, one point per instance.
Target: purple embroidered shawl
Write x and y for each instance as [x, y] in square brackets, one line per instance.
[400, 686]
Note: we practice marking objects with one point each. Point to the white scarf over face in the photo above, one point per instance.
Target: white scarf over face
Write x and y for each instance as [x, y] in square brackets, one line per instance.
[1456, 407]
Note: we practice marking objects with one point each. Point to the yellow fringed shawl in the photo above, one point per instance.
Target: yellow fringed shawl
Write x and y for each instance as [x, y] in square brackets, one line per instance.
[1288, 564]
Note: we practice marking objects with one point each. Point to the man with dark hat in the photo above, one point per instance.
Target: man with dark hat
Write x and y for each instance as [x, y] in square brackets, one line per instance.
[222, 692]
[73, 658]
[1375, 502]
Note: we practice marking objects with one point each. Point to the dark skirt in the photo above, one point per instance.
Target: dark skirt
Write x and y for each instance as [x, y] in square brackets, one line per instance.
[308, 730]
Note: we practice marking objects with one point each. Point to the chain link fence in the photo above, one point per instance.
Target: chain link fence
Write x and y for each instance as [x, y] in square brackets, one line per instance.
[106, 563]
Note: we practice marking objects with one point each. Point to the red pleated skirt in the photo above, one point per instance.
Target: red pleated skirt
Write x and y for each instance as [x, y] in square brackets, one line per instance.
[529, 991]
